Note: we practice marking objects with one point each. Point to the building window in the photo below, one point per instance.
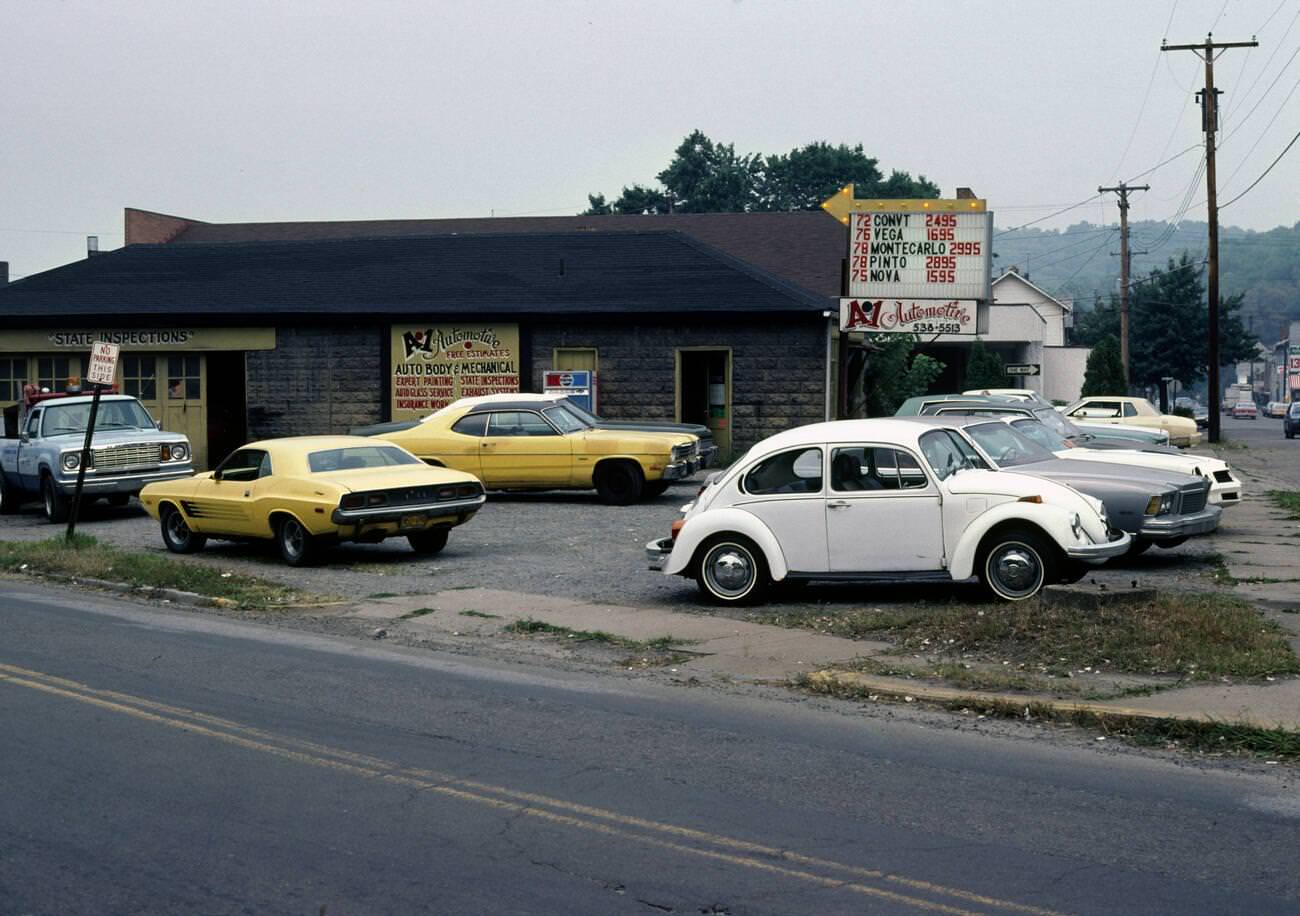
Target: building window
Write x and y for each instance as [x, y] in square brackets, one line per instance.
[53, 372]
[13, 373]
[183, 378]
[140, 377]
[571, 359]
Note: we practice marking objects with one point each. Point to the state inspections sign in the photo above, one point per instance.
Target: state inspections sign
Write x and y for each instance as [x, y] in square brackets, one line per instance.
[433, 365]
[920, 255]
[909, 316]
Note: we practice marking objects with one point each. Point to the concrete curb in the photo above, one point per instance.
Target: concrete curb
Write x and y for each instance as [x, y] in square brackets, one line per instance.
[175, 596]
[900, 688]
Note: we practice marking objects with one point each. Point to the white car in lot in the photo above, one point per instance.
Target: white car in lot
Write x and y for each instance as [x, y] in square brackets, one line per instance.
[881, 500]
[1225, 488]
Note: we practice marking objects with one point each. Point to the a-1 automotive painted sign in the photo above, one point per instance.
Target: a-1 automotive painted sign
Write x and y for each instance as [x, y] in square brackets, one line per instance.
[908, 316]
[920, 255]
[434, 365]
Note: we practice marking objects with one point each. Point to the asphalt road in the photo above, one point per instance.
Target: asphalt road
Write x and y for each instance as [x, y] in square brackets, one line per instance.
[154, 762]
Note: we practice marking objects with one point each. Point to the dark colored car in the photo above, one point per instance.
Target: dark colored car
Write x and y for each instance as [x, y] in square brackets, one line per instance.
[1291, 422]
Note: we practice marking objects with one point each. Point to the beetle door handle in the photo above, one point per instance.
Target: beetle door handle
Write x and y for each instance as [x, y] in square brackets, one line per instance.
[838, 504]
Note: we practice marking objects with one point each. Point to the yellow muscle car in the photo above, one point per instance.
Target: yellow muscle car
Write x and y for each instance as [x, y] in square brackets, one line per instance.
[534, 446]
[306, 493]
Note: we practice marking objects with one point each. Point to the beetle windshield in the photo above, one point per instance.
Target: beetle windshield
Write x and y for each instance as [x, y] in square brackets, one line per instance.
[356, 457]
[1045, 437]
[62, 419]
[564, 418]
[1005, 446]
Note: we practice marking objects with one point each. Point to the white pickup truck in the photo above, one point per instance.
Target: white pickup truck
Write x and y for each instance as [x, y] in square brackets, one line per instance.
[40, 453]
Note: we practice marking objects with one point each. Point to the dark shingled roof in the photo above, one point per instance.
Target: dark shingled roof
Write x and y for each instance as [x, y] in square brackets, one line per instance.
[553, 273]
[803, 247]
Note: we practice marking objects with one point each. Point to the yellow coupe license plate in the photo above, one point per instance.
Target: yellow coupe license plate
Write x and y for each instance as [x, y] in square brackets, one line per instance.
[412, 521]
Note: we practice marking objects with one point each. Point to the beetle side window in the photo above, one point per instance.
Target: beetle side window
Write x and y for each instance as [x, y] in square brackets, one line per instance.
[867, 468]
[474, 424]
[795, 471]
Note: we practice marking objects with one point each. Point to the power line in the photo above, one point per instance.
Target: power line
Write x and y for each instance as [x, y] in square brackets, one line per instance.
[1263, 133]
[1163, 164]
[1260, 101]
[1081, 203]
[1251, 186]
[1155, 66]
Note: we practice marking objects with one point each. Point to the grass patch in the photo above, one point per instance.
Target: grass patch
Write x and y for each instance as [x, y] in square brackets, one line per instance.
[1184, 734]
[529, 627]
[418, 612]
[473, 613]
[1288, 500]
[851, 624]
[86, 558]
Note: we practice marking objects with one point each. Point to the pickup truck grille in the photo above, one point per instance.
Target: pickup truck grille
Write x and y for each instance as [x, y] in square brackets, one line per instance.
[127, 457]
[1194, 498]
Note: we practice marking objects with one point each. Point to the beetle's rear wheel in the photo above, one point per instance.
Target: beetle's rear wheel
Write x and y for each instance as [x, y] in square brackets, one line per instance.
[732, 570]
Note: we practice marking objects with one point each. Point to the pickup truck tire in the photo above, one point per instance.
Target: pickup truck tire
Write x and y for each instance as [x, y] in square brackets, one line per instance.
[9, 499]
[56, 504]
[297, 545]
[176, 534]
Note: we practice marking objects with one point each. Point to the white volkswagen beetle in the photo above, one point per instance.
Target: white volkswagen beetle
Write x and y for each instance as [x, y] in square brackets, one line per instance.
[1225, 488]
[881, 500]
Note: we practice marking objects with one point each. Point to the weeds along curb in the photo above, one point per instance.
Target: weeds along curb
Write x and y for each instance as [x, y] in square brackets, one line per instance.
[1137, 725]
[174, 595]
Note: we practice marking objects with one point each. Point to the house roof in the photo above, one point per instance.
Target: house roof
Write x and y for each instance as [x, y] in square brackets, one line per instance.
[1065, 304]
[569, 273]
[803, 247]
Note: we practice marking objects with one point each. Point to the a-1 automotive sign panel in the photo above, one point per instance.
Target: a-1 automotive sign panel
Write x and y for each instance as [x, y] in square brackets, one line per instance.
[920, 255]
[434, 365]
[909, 316]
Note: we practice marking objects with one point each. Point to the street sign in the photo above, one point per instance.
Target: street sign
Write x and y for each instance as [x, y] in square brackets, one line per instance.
[1022, 368]
[907, 254]
[103, 363]
[909, 316]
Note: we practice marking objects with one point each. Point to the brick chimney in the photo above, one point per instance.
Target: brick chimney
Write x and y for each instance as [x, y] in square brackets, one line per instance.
[144, 227]
[4, 273]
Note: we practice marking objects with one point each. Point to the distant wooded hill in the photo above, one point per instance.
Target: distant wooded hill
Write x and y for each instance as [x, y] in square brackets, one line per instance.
[1077, 262]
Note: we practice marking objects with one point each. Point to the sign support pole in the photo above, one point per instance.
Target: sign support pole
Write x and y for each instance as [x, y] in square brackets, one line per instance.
[81, 468]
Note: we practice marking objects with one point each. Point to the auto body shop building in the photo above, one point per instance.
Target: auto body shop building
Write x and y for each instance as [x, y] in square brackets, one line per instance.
[237, 331]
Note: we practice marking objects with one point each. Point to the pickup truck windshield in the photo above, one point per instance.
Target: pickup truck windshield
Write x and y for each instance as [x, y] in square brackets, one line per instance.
[64, 419]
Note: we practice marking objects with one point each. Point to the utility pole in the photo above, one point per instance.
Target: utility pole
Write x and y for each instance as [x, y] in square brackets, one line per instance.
[1122, 190]
[1209, 97]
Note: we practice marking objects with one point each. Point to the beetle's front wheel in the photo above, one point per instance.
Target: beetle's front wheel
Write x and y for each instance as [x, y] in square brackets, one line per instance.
[1017, 563]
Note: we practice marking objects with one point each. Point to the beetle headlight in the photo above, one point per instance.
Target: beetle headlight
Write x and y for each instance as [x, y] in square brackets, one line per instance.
[1076, 524]
[180, 452]
[71, 461]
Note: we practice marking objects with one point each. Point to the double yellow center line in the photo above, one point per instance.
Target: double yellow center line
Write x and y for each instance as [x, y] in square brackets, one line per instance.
[868, 882]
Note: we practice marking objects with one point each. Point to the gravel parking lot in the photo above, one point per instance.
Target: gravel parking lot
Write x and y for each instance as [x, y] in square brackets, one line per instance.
[561, 544]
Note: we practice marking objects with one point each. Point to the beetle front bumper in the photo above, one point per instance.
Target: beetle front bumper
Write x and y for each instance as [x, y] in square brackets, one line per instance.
[1098, 553]
[1160, 528]
[658, 552]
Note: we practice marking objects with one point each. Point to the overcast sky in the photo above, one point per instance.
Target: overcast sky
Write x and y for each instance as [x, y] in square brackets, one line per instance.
[239, 111]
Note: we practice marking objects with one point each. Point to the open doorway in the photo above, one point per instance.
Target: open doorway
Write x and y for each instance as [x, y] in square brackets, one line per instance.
[704, 393]
[227, 410]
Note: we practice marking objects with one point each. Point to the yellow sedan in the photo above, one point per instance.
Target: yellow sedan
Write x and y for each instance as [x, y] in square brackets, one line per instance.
[1128, 411]
[309, 492]
[536, 446]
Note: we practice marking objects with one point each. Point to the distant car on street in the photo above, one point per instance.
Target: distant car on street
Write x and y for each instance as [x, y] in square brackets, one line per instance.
[308, 492]
[1140, 412]
[1245, 410]
[1291, 422]
[1276, 409]
[885, 499]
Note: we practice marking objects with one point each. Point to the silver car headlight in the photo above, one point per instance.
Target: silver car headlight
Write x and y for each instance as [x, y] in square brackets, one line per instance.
[71, 461]
[1161, 505]
[180, 452]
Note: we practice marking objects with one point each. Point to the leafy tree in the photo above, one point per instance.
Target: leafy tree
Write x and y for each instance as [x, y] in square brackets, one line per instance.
[705, 176]
[1105, 372]
[891, 374]
[1092, 326]
[984, 368]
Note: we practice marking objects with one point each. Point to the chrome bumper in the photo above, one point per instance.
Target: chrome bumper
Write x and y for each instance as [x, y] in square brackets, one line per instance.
[385, 514]
[680, 469]
[658, 552]
[1098, 553]
[123, 483]
[1181, 526]
[708, 456]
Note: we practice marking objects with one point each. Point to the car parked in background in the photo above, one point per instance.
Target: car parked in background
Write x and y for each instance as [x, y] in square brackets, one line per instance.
[707, 447]
[1140, 412]
[1245, 410]
[306, 493]
[1155, 506]
[1276, 409]
[1098, 436]
[1200, 413]
[40, 455]
[881, 500]
[1225, 488]
[531, 445]
[1291, 422]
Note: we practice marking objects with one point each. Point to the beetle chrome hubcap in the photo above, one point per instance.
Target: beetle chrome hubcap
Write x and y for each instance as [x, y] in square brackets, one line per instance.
[730, 570]
[1017, 570]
